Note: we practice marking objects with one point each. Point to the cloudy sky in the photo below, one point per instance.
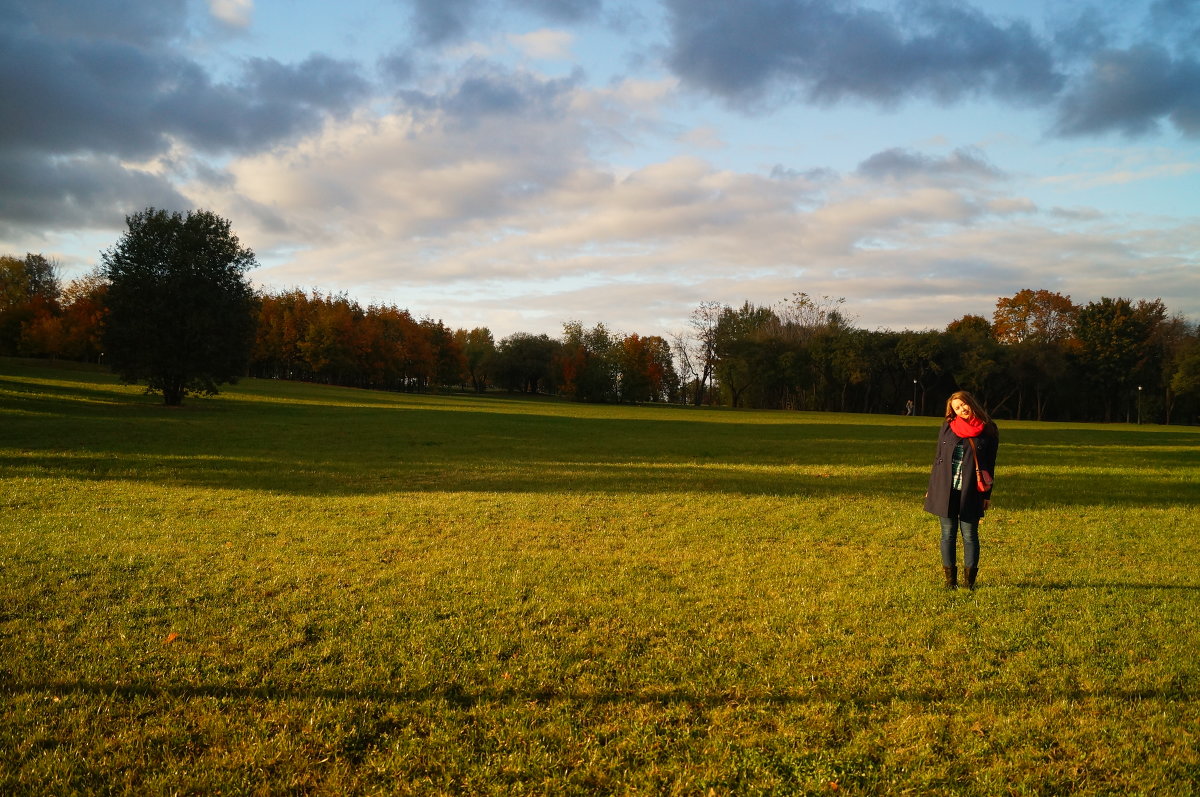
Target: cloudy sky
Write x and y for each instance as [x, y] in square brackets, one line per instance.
[521, 163]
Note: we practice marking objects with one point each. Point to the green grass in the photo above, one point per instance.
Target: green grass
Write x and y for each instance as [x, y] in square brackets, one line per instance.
[296, 589]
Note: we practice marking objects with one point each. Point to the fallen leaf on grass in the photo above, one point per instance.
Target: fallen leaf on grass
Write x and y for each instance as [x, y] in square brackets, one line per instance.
[171, 637]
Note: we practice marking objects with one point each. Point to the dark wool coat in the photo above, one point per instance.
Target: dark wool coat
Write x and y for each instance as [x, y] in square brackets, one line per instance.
[970, 507]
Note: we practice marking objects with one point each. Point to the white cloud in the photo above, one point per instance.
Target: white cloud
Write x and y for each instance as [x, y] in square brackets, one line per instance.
[234, 13]
[1010, 206]
[1089, 180]
[703, 138]
[545, 44]
[860, 217]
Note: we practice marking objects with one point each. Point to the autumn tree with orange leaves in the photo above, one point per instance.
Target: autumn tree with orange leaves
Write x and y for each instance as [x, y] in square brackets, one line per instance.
[1040, 316]
[645, 370]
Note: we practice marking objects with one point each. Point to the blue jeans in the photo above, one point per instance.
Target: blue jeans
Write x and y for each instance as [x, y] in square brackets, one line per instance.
[970, 535]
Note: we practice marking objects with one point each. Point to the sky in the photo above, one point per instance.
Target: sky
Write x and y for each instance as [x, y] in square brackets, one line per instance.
[518, 164]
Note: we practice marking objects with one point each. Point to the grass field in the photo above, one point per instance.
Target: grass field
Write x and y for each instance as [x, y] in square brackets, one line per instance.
[292, 589]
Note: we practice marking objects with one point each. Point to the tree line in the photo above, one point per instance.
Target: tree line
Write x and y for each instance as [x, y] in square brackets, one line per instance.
[334, 340]
[1040, 356]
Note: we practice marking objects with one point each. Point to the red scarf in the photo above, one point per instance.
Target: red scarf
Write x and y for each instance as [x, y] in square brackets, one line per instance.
[964, 428]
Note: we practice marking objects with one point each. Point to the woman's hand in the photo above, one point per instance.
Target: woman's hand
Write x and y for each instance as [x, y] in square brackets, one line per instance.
[987, 502]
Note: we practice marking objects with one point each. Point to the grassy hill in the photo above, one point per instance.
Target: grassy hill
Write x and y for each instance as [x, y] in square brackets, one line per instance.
[298, 589]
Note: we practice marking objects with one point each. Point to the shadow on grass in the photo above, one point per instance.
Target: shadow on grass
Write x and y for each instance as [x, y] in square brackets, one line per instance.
[1055, 586]
[408, 470]
[82, 398]
[464, 698]
[294, 444]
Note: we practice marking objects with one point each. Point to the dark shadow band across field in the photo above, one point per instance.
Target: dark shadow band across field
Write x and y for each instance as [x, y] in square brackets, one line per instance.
[334, 477]
[460, 697]
[84, 427]
[1101, 586]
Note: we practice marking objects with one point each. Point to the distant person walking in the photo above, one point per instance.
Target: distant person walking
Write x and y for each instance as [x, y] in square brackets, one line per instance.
[960, 482]
[908, 407]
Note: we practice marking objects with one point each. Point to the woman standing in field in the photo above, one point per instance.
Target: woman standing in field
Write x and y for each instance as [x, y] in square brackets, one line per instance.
[960, 488]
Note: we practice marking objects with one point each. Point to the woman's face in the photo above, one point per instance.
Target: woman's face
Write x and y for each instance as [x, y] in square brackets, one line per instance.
[961, 409]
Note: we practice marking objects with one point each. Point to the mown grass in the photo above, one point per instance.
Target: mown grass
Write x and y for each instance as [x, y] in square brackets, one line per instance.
[295, 589]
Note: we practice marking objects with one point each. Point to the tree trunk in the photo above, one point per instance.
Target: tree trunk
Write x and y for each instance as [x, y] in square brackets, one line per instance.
[702, 388]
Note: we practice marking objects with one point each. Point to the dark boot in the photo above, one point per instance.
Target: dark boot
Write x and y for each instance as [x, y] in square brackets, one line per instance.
[951, 577]
[969, 577]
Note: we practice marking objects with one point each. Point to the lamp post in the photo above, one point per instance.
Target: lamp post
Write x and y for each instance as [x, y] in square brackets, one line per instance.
[914, 411]
[1139, 405]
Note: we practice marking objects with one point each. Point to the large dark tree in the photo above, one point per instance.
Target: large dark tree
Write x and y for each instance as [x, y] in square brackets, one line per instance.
[1115, 348]
[745, 349]
[478, 349]
[180, 310]
[525, 363]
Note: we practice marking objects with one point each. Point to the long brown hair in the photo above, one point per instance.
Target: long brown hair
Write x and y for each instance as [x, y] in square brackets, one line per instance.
[978, 411]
